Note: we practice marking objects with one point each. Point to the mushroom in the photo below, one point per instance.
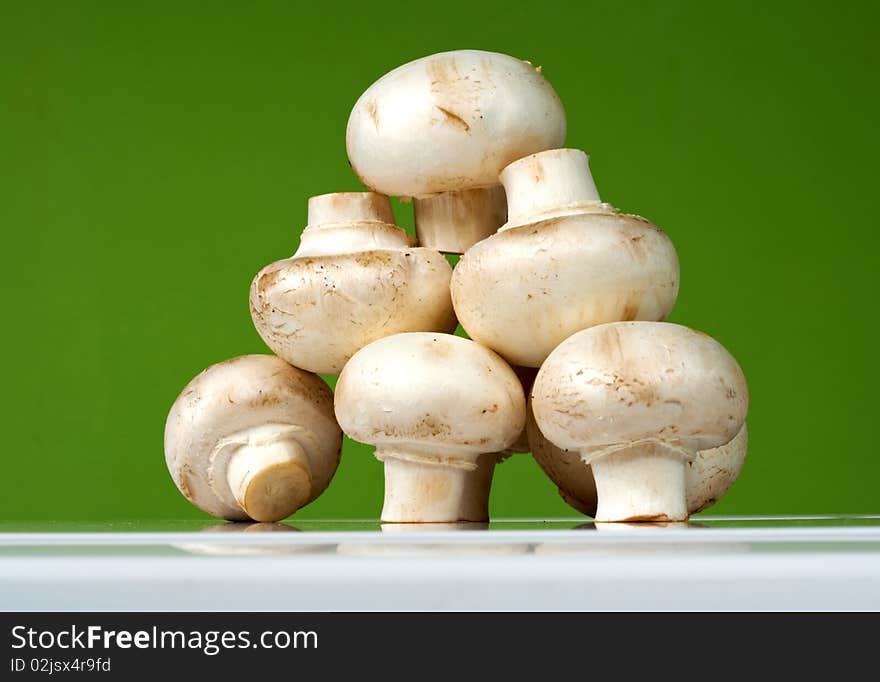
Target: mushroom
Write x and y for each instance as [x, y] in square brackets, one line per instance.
[252, 438]
[355, 278]
[564, 261]
[475, 112]
[708, 476]
[439, 409]
[637, 401]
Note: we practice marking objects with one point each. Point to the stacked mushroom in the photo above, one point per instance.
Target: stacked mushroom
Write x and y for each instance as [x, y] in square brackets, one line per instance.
[633, 418]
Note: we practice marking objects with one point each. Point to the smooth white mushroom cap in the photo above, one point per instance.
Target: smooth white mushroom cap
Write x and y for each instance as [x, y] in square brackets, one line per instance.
[614, 385]
[564, 262]
[435, 395]
[354, 279]
[249, 401]
[451, 121]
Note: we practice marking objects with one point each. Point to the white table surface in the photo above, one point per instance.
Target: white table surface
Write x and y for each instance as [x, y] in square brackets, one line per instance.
[747, 563]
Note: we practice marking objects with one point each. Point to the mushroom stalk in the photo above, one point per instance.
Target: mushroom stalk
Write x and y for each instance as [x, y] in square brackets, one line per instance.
[270, 478]
[349, 222]
[340, 208]
[643, 482]
[422, 489]
[453, 221]
[552, 184]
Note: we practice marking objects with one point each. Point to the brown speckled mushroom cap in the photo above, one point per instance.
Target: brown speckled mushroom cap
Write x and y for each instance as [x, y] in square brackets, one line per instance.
[619, 383]
[355, 279]
[638, 401]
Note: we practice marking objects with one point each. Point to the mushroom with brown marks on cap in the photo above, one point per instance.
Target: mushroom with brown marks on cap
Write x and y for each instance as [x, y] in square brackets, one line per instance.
[439, 409]
[355, 278]
[476, 112]
[564, 261]
[637, 401]
[252, 438]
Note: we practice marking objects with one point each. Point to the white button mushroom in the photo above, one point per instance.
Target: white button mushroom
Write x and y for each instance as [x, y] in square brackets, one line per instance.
[252, 438]
[354, 279]
[563, 262]
[438, 408]
[441, 128]
[638, 400]
[708, 476]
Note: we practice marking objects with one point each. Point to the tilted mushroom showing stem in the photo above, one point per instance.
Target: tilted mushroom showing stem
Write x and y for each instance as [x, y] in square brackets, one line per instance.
[564, 261]
[438, 408]
[638, 400]
[476, 112]
[708, 476]
[253, 438]
[355, 278]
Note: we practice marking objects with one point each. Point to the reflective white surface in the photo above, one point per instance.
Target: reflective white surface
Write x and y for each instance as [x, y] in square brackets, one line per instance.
[780, 563]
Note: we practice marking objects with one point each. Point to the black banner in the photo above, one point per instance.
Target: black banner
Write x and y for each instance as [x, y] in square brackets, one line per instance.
[413, 645]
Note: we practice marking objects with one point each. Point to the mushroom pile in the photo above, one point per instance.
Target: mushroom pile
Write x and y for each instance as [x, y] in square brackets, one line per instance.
[562, 297]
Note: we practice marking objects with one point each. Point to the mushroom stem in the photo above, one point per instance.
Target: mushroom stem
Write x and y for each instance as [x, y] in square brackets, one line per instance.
[550, 184]
[340, 208]
[271, 479]
[454, 221]
[345, 222]
[643, 482]
[420, 489]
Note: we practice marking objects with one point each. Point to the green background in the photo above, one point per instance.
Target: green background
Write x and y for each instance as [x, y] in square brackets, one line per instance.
[153, 156]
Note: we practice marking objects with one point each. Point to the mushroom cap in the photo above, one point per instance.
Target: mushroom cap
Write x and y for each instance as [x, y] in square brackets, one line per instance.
[524, 290]
[316, 312]
[232, 397]
[610, 386]
[433, 393]
[476, 111]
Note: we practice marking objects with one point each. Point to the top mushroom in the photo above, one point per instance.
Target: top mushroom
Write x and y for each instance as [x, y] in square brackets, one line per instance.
[476, 112]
